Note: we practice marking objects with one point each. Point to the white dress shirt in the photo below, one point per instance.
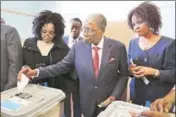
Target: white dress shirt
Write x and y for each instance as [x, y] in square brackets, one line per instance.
[72, 41]
[100, 46]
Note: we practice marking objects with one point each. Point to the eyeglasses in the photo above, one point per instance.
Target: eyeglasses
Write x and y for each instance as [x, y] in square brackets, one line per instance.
[88, 30]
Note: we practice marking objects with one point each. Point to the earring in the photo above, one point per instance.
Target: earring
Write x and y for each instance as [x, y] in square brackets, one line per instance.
[152, 29]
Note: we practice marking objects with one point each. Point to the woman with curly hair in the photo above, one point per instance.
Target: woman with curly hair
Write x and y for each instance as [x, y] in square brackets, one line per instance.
[150, 79]
[47, 47]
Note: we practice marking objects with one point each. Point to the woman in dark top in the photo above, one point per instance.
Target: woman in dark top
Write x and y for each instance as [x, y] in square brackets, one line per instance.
[147, 53]
[47, 47]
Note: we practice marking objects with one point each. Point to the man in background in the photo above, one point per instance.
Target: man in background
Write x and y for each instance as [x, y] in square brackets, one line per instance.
[11, 56]
[72, 86]
[74, 36]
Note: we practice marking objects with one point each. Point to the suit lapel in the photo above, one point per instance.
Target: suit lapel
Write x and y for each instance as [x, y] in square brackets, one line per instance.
[105, 54]
[88, 57]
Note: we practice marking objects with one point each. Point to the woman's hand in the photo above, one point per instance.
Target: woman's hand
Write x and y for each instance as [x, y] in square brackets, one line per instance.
[161, 105]
[147, 71]
[135, 70]
[141, 71]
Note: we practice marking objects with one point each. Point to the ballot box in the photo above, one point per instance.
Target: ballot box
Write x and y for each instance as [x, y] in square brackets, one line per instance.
[33, 101]
[122, 109]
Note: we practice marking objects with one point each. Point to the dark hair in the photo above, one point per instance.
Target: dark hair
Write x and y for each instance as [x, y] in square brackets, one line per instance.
[77, 20]
[149, 13]
[46, 17]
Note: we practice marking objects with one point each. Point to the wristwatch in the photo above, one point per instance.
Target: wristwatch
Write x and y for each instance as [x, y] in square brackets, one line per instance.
[156, 74]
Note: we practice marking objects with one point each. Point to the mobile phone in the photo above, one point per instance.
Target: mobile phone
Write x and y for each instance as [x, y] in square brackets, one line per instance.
[146, 81]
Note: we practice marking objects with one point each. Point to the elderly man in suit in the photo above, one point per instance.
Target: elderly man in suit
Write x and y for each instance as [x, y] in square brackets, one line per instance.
[101, 65]
[11, 56]
[72, 85]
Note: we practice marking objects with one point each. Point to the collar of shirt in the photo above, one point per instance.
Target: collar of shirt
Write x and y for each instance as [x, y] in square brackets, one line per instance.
[174, 87]
[72, 40]
[100, 45]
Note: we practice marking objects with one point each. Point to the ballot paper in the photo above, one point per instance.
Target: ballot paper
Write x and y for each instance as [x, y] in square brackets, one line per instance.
[22, 83]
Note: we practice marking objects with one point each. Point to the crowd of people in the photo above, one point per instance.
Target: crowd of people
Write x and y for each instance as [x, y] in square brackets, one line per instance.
[94, 68]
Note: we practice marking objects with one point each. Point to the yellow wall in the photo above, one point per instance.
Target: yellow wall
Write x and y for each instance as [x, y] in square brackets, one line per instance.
[119, 30]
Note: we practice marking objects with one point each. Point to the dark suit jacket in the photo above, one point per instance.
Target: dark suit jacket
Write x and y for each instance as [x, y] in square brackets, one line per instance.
[169, 64]
[73, 73]
[112, 77]
[11, 56]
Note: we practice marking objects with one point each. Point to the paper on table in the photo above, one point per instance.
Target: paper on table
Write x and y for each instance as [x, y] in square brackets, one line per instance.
[22, 83]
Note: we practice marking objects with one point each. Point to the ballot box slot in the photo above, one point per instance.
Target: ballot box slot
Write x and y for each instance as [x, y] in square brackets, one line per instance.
[23, 95]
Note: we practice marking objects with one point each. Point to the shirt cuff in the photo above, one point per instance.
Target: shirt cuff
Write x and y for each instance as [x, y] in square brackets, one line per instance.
[37, 72]
[24, 66]
[173, 88]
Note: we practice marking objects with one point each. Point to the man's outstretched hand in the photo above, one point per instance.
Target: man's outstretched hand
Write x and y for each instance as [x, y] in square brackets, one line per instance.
[26, 70]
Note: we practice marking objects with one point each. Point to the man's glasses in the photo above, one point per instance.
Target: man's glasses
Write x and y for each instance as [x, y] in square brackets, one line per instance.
[88, 30]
